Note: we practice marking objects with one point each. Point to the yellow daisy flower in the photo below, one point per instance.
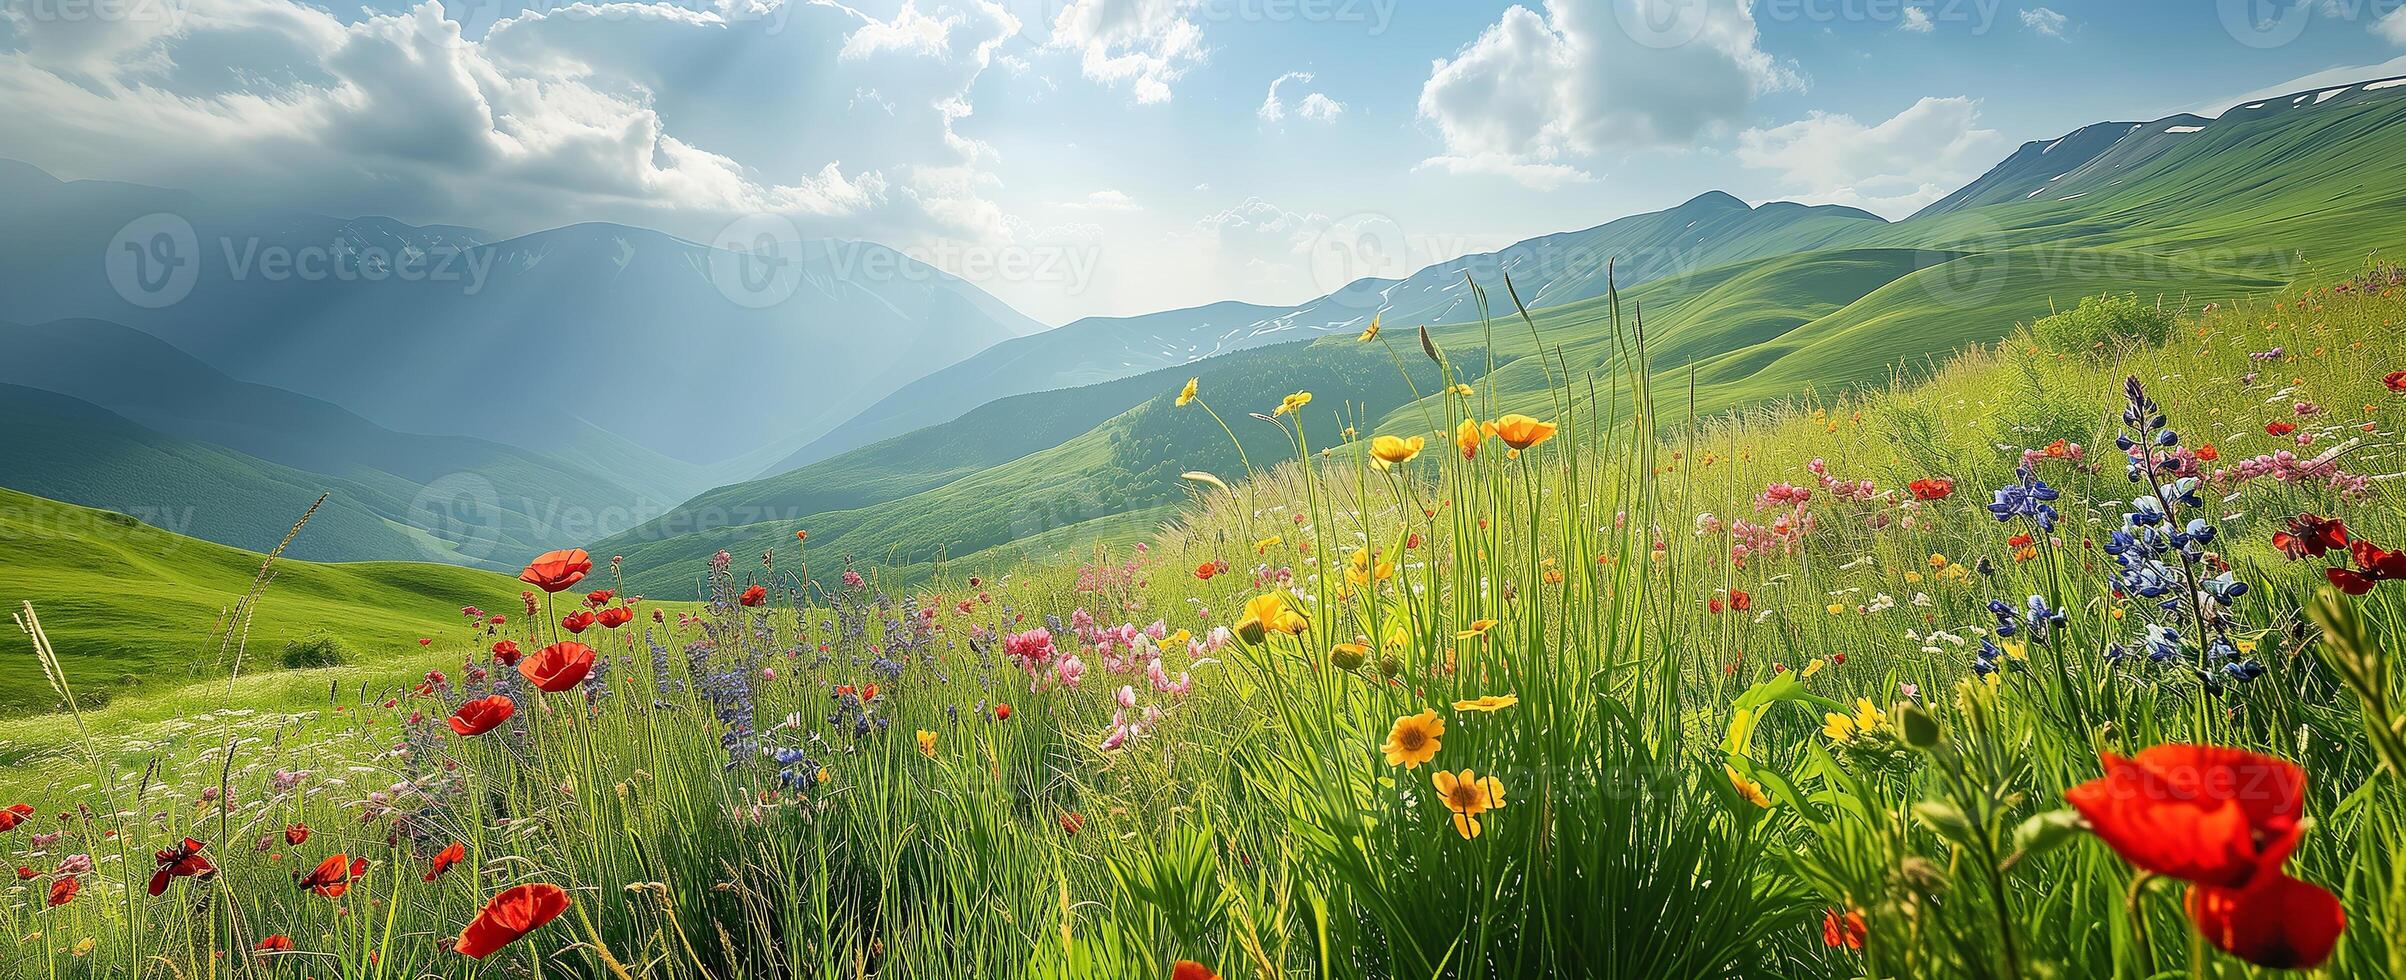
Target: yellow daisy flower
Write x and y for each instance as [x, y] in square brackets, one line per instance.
[1414, 739]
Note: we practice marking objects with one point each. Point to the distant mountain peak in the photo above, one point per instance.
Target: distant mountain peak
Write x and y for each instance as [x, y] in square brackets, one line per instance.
[1716, 200]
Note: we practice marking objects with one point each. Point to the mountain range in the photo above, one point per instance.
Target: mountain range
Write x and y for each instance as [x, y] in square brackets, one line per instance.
[909, 420]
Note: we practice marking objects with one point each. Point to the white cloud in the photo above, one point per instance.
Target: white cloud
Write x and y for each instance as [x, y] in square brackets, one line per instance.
[1535, 93]
[2325, 79]
[1103, 200]
[1142, 44]
[1917, 21]
[576, 112]
[1313, 107]
[1893, 167]
[2044, 21]
[2392, 26]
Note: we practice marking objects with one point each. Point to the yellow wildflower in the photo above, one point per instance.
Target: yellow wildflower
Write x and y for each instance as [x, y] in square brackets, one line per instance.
[1522, 432]
[1414, 739]
[1267, 613]
[1186, 395]
[1488, 702]
[1751, 790]
[1388, 451]
[1468, 795]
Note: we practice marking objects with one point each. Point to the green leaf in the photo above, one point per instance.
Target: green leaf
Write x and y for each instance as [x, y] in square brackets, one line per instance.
[2046, 831]
[1944, 819]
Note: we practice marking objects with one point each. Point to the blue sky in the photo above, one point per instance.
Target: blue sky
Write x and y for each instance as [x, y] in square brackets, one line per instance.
[1080, 157]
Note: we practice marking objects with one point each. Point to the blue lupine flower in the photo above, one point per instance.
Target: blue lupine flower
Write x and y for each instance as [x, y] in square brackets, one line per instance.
[2028, 497]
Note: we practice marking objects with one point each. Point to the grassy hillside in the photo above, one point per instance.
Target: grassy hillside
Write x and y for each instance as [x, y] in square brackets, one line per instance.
[1773, 301]
[1711, 230]
[473, 501]
[993, 434]
[130, 606]
[57, 447]
[1130, 463]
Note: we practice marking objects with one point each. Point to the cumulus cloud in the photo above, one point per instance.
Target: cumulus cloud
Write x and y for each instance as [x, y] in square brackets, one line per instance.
[2392, 26]
[1917, 21]
[1892, 167]
[588, 110]
[2044, 21]
[1144, 45]
[1537, 92]
[1312, 107]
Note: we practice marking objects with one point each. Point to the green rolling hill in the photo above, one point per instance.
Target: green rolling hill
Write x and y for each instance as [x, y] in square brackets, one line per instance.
[131, 606]
[1760, 302]
[449, 498]
[65, 449]
[1712, 229]
[1055, 499]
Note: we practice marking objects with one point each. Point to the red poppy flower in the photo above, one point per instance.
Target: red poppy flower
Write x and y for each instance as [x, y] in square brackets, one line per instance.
[333, 876]
[2279, 922]
[443, 861]
[1191, 970]
[600, 598]
[278, 943]
[2350, 581]
[14, 815]
[2310, 535]
[63, 890]
[24, 873]
[1002, 712]
[2396, 381]
[577, 622]
[506, 651]
[510, 916]
[2224, 820]
[557, 667]
[1071, 823]
[615, 617]
[2376, 562]
[1740, 601]
[1843, 929]
[2280, 428]
[297, 834]
[1206, 570]
[1932, 488]
[2207, 453]
[2196, 812]
[2018, 541]
[754, 596]
[555, 571]
[1713, 605]
[480, 716]
[184, 860]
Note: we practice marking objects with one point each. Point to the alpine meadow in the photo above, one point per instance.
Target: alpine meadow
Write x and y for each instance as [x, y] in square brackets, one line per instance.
[786, 490]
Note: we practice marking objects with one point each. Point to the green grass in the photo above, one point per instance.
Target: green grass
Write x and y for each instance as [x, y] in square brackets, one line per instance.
[1131, 463]
[132, 607]
[1256, 824]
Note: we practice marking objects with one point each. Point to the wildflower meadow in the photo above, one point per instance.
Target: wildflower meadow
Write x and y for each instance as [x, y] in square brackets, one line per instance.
[2072, 656]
